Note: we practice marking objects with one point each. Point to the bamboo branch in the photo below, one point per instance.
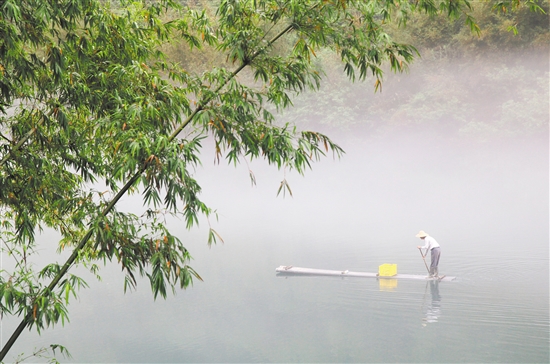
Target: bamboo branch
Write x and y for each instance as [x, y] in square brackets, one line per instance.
[28, 318]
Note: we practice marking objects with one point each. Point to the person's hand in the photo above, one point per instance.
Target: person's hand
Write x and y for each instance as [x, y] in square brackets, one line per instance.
[418, 247]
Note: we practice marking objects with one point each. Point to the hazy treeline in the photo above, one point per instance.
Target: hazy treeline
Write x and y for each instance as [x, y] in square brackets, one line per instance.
[490, 83]
[479, 97]
[486, 85]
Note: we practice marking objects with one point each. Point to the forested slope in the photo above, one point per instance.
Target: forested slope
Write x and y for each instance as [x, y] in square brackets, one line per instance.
[483, 84]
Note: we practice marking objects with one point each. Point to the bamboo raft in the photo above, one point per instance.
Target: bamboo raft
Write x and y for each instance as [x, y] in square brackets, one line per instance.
[290, 270]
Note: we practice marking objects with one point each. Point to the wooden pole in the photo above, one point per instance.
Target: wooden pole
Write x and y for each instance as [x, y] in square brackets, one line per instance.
[424, 259]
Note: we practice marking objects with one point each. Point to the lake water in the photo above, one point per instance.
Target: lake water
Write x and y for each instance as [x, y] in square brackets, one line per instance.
[486, 204]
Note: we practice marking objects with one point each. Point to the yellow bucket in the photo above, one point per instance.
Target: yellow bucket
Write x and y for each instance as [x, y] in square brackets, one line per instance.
[387, 270]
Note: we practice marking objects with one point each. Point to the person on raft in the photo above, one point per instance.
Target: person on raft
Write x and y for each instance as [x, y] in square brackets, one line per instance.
[430, 244]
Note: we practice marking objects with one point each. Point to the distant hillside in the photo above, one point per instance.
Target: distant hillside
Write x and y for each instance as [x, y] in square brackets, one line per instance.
[486, 85]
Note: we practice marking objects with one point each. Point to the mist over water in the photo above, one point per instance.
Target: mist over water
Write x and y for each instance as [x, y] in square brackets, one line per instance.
[485, 200]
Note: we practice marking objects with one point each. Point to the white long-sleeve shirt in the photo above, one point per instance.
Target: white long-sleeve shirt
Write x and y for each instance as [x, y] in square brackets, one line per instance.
[430, 243]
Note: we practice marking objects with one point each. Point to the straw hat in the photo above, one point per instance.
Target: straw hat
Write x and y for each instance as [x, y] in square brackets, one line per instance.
[421, 234]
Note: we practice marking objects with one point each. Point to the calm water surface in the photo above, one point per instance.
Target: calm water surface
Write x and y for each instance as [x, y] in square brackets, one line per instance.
[487, 205]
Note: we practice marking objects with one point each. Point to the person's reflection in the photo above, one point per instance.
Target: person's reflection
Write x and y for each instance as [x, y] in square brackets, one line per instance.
[433, 309]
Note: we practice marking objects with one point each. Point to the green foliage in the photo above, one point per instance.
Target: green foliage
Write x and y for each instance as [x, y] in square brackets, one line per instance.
[499, 26]
[87, 96]
[43, 353]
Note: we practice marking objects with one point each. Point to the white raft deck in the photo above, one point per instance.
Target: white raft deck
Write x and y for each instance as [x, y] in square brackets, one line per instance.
[288, 269]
